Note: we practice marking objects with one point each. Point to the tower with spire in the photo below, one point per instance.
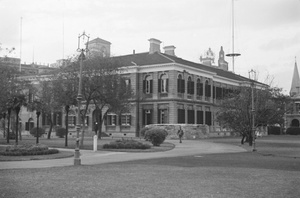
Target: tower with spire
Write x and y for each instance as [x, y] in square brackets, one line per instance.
[295, 87]
[293, 118]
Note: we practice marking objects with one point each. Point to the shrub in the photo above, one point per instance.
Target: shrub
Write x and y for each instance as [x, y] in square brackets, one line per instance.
[60, 132]
[126, 144]
[40, 132]
[143, 131]
[156, 136]
[27, 149]
[273, 130]
[293, 131]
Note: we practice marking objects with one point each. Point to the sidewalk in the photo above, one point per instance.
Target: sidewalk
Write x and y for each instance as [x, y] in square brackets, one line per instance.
[88, 157]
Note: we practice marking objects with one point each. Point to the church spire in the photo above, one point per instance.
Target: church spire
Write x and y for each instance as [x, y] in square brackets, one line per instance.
[295, 88]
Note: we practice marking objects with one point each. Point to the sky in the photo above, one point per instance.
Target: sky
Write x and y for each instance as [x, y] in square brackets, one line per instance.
[266, 32]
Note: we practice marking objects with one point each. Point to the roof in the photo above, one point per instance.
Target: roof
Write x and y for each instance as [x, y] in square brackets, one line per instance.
[99, 40]
[145, 59]
[295, 81]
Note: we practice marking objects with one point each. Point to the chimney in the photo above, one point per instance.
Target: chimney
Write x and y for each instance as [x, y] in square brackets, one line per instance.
[170, 50]
[154, 45]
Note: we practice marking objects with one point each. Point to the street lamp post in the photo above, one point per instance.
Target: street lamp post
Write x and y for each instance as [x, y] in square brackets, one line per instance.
[252, 75]
[83, 39]
[38, 113]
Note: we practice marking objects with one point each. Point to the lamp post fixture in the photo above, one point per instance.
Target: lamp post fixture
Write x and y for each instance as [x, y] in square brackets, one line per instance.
[252, 76]
[83, 40]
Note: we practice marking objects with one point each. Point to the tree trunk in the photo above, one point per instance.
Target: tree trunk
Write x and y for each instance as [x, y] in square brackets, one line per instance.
[100, 125]
[50, 129]
[8, 124]
[17, 123]
[67, 125]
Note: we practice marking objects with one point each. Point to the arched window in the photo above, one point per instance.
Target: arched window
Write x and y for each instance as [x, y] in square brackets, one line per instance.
[147, 85]
[199, 88]
[180, 84]
[163, 83]
[190, 86]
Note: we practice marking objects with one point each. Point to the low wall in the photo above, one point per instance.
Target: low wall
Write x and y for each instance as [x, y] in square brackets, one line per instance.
[191, 131]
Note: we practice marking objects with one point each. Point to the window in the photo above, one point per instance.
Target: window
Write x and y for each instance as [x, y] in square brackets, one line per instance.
[207, 89]
[191, 117]
[181, 116]
[71, 120]
[180, 84]
[190, 86]
[200, 117]
[163, 83]
[147, 85]
[208, 116]
[126, 119]
[147, 116]
[162, 116]
[127, 83]
[199, 88]
[111, 119]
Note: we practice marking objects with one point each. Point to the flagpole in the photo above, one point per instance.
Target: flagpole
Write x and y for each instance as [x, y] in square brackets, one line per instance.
[21, 44]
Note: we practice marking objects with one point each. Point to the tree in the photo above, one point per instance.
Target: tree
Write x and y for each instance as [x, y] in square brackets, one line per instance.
[111, 94]
[235, 110]
[11, 86]
[15, 103]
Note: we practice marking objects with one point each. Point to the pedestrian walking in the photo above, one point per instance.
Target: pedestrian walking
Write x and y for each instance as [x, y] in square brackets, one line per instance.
[180, 134]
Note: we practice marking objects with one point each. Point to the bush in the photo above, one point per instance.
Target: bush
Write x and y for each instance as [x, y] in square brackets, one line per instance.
[60, 132]
[27, 149]
[34, 130]
[273, 130]
[293, 131]
[156, 136]
[143, 131]
[126, 144]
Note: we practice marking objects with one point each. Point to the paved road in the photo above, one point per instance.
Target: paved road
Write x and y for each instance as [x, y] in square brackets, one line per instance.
[88, 157]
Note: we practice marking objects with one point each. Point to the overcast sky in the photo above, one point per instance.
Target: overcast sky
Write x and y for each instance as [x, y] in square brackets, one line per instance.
[267, 32]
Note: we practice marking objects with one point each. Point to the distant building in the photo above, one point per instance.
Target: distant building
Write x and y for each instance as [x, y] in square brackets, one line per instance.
[293, 118]
[98, 47]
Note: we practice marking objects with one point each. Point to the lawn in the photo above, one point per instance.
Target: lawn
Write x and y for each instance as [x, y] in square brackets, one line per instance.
[248, 174]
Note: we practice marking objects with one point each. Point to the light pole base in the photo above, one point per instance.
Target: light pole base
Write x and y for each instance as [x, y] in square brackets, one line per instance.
[77, 160]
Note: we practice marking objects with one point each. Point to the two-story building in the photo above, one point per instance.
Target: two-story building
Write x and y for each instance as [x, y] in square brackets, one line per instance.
[168, 90]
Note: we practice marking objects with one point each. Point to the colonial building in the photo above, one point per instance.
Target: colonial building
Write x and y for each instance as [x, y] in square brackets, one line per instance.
[168, 90]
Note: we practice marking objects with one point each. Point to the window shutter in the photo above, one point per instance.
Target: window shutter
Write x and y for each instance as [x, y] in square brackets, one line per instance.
[144, 114]
[182, 86]
[158, 116]
[74, 120]
[199, 117]
[144, 86]
[159, 85]
[192, 87]
[167, 85]
[208, 118]
[151, 86]
[129, 119]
